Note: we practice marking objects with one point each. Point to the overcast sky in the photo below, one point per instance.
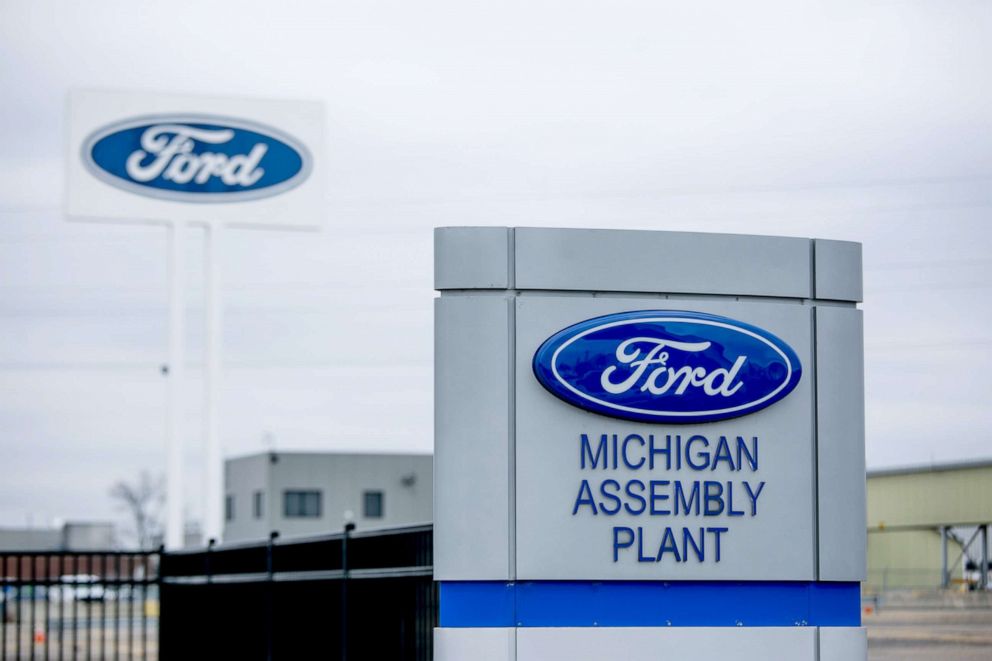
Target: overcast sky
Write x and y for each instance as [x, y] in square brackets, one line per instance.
[867, 121]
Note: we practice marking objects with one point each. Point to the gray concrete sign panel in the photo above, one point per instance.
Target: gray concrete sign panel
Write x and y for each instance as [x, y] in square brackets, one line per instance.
[648, 441]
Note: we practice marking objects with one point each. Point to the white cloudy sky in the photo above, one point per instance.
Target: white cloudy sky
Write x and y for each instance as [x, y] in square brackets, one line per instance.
[869, 121]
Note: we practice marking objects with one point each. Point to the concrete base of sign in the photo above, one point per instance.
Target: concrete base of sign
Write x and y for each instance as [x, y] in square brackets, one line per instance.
[650, 644]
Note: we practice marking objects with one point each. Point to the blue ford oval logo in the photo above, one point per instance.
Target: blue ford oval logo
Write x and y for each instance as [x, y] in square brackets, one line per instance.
[196, 158]
[667, 366]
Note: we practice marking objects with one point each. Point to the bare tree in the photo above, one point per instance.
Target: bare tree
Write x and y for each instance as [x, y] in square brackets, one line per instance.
[142, 500]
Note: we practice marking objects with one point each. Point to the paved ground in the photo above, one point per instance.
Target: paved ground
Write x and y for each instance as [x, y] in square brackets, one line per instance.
[917, 629]
[942, 634]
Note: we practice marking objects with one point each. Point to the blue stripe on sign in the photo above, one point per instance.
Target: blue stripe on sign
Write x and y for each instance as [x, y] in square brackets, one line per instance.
[649, 604]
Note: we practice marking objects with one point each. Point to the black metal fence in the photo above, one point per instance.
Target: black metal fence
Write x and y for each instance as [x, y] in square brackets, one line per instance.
[65, 605]
[293, 599]
[365, 595]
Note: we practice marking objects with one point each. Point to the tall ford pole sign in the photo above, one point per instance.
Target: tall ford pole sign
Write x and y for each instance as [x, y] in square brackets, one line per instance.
[648, 445]
[189, 160]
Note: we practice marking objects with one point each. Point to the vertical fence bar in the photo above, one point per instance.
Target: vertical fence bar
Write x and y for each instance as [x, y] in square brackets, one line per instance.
[17, 612]
[344, 596]
[103, 605]
[425, 600]
[90, 592]
[146, 571]
[73, 594]
[31, 604]
[10, 602]
[61, 593]
[159, 585]
[426, 619]
[47, 573]
[117, 607]
[419, 601]
[142, 610]
[130, 606]
[4, 606]
[73, 590]
[427, 632]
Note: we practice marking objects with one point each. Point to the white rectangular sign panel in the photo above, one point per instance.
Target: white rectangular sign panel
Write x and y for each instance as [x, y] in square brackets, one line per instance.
[145, 157]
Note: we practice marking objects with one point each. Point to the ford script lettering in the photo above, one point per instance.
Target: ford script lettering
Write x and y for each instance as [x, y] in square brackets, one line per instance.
[667, 366]
[196, 158]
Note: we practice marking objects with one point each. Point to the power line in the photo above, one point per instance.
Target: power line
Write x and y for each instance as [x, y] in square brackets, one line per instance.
[929, 286]
[156, 367]
[930, 263]
[943, 344]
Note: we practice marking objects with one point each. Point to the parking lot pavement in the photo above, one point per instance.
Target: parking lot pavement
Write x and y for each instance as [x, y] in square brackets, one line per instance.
[939, 634]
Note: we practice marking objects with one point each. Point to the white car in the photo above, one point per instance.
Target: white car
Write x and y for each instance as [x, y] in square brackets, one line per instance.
[78, 587]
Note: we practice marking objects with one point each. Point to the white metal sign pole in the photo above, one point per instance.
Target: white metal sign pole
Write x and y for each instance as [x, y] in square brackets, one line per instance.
[175, 441]
[213, 486]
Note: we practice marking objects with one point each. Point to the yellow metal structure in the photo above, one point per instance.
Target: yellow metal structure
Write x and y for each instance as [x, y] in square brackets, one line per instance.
[907, 509]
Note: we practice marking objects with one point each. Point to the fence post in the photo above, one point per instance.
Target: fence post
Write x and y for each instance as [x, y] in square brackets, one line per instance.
[348, 527]
[270, 595]
[206, 560]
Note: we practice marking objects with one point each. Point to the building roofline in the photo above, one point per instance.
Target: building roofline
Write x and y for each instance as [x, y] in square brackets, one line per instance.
[306, 537]
[931, 468]
[61, 526]
[325, 453]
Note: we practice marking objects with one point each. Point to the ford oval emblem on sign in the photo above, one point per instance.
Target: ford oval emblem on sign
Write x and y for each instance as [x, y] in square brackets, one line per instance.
[196, 158]
[667, 366]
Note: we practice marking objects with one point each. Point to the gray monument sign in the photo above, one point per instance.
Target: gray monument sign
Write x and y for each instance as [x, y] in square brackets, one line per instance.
[648, 445]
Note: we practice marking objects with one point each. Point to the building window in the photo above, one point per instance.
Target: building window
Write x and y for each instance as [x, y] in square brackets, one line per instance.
[301, 504]
[372, 506]
[257, 506]
[229, 508]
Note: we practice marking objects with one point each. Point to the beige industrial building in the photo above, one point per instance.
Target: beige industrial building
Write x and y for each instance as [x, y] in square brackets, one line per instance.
[312, 493]
[928, 527]
[68, 536]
